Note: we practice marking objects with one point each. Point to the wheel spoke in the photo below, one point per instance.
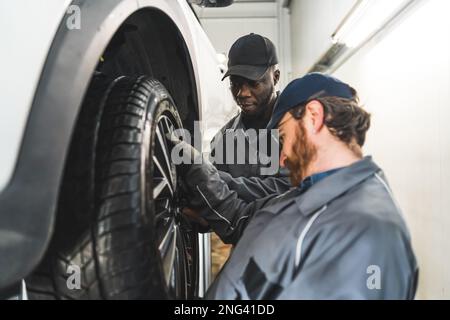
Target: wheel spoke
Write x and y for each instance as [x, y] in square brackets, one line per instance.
[179, 279]
[183, 263]
[159, 187]
[167, 249]
[176, 275]
[168, 127]
[165, 204]
[165, 152]
[168, 123]
[164, 174]
[165, 215]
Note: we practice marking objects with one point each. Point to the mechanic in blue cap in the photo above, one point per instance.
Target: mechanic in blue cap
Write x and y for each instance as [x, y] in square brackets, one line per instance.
[338, 234]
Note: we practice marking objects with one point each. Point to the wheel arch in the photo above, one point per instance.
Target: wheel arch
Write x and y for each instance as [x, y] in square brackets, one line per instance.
[28, 204]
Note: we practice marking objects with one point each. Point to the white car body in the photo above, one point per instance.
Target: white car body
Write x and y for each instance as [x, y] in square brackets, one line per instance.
[29, 29]
[29, 39]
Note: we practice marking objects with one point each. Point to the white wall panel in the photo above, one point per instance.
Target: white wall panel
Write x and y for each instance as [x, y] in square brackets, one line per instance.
[403, 79]
[312, 24]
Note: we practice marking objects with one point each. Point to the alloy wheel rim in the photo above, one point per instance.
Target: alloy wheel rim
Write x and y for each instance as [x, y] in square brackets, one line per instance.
[172, 229]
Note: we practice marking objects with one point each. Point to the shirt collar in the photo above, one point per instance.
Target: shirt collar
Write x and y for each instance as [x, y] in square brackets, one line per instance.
[309, 181]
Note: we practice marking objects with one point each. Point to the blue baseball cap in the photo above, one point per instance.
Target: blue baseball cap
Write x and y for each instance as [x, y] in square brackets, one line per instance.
[303, 89]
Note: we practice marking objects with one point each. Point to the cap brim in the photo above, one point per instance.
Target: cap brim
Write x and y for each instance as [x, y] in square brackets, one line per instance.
[274, 121]
[249, 72]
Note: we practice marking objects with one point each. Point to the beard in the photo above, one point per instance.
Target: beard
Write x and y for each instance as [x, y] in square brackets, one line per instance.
[303, 153]
[262, 106]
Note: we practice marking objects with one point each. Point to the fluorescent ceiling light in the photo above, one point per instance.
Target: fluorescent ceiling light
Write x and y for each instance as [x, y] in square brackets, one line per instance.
[365, 19]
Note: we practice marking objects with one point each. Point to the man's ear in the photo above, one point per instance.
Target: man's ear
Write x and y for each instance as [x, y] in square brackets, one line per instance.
[315, 111]
[276, 77]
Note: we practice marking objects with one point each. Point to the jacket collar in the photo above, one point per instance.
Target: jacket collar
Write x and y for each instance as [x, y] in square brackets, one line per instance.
[335, 185]
[238, 123]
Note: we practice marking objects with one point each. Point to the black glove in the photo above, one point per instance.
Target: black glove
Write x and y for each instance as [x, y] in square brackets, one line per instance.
[183, 155]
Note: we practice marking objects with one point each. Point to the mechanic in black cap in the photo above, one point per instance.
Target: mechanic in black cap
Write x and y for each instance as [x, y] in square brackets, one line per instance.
[253, 72]
[338, 234]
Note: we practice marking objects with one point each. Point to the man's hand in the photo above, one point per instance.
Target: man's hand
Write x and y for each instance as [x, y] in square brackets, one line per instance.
[194, 216]
[183, 155]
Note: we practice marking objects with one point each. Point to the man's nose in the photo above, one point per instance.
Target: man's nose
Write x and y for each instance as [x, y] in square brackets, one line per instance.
[283, 158]
[244, 91]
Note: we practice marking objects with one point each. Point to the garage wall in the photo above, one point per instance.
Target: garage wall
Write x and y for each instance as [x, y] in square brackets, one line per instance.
[266, 17]
[312, 23]
[403, 79]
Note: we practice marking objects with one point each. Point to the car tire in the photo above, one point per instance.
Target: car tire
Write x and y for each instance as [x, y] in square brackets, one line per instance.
[119, 233]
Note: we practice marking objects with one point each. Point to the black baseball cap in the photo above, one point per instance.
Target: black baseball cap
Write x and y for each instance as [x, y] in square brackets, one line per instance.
[250, 57]
[301, 90]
